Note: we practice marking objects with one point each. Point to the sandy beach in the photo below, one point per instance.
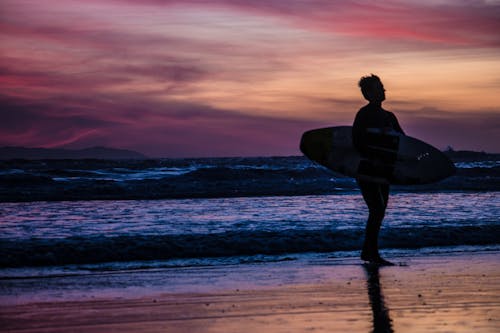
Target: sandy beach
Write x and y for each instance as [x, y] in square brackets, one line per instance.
[457, 292]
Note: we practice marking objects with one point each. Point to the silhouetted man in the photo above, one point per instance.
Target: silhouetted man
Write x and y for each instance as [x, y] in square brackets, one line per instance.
[376, 195]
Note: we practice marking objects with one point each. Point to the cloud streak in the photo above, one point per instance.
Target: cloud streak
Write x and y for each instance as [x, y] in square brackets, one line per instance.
[181, 129]
[471, 130]
[460, 23]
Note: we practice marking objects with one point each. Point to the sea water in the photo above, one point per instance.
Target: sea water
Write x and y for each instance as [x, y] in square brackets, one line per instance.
[53, 249]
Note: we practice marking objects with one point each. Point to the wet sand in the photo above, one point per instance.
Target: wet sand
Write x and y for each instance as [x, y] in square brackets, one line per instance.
[457, 292]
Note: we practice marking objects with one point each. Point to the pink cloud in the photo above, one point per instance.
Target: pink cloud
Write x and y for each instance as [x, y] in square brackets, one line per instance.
[452, 23]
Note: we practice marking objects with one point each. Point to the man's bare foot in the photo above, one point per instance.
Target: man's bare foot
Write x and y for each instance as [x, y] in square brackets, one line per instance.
[375, 259]
[381, 262]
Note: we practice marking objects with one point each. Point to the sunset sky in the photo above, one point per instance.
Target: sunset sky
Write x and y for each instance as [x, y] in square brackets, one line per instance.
[243, 78]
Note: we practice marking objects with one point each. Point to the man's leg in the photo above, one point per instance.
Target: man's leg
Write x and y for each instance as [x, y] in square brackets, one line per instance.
[384, 189]
[376, 197]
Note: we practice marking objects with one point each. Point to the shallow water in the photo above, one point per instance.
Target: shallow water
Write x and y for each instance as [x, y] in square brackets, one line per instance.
[88, 232]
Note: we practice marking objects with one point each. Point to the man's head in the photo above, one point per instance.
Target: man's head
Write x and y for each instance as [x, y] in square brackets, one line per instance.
[372, 88]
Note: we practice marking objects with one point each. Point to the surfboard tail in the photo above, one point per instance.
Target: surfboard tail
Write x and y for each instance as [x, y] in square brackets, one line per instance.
[317, 144]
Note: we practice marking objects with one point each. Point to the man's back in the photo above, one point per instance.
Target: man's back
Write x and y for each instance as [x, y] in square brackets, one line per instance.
[372, 116]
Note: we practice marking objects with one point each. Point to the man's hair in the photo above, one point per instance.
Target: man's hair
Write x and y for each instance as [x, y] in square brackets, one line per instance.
[366, 82]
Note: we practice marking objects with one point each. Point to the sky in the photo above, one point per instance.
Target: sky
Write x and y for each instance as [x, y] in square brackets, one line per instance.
[200, 78]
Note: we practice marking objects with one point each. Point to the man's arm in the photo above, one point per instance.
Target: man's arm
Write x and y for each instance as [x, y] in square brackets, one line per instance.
[395, 124]
[359, 133]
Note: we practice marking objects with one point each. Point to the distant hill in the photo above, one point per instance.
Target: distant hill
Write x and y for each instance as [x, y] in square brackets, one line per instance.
[467, 156]
[8, 153]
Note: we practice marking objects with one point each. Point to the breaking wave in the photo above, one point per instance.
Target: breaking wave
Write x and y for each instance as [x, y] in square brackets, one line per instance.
[87, 250]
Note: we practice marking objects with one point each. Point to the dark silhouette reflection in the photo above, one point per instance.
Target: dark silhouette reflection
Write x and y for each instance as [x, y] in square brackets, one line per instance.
[381, 320]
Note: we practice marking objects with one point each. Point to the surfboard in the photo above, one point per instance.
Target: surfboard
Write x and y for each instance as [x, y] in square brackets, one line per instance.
[394, 158]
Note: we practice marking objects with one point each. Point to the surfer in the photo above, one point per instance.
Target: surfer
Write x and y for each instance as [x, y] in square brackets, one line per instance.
[376, 195]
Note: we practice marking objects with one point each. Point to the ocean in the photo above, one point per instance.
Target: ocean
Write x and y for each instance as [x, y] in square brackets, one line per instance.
[68, 225]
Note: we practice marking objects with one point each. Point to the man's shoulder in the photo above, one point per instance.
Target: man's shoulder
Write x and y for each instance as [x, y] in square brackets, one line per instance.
[390, 114]
[364, 110]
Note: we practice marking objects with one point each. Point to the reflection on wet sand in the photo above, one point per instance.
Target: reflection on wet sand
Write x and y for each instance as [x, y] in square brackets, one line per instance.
[382, 322]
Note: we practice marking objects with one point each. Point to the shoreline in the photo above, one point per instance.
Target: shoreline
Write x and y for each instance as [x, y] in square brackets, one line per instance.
[438, 292]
